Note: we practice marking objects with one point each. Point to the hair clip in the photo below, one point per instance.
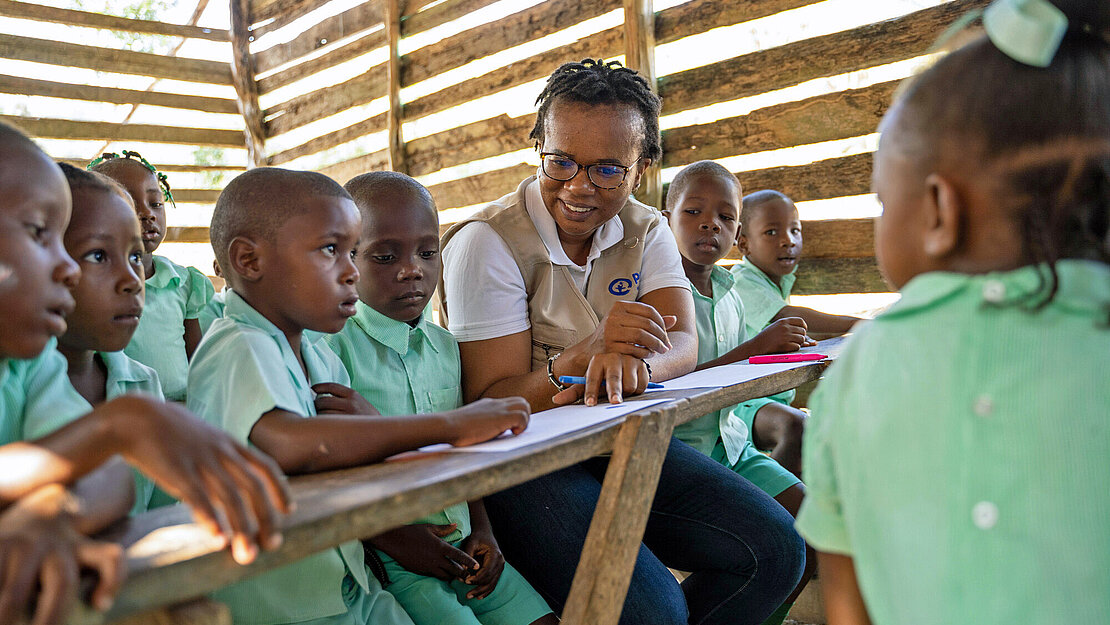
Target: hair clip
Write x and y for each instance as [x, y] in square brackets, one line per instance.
[1027, 31]
[163, 181]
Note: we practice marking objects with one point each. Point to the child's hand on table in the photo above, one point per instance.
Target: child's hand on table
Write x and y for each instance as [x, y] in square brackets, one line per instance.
[486, 419]
[43, 553]
[482, 546]
[334, 398]
[420, 549]
[785, 335]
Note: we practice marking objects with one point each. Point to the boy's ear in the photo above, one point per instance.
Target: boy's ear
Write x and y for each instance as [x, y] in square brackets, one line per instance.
[944, 212]
[742, 243]
[243, 255]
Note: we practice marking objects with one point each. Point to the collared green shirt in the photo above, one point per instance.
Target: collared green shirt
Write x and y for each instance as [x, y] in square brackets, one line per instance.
[36, 397]
[403, 370]
[763, 299]
[958, 451]
[212, 311]
[243, 368]
[720, 323]
[173, 294]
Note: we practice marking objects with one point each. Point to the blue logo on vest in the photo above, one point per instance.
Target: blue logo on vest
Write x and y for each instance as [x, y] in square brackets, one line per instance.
[623, 286]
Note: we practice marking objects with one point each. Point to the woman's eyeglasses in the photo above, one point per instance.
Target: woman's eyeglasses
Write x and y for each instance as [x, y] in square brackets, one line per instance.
[601, 175]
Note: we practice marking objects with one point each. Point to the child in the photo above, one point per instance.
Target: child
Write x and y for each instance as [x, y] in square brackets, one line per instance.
[103, 237]
[169, 331]
[286, 243]
[43, 525]
[214, 309]
[956, 457]
[404, 364]
[703, 209]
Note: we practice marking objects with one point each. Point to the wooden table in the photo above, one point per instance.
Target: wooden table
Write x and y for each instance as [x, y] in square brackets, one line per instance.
[172, 562]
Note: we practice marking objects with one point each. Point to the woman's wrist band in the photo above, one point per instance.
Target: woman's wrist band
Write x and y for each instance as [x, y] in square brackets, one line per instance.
[551, 373]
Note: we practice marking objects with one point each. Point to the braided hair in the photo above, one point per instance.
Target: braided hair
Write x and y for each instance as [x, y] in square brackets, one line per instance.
[597, 82]
[105, 161]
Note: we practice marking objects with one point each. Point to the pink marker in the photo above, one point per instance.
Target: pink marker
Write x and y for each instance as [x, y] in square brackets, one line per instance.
[771, 358]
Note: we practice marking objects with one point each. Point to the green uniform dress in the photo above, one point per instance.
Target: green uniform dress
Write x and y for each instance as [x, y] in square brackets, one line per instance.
[402, 369]
[959, 451]
[36, 397]
[763, 299]
[173, 294]
[722, 435]
[244, 368]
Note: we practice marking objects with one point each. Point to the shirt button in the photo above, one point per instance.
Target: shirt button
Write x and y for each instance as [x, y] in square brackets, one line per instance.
[720, 338]
[994, 291]
[985, 515]
[983, 406]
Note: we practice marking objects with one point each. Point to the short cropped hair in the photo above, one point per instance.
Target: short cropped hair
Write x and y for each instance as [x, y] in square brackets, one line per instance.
[370, 189]
[701, 168]
[256, 203]
[82, 179]
[753, 201]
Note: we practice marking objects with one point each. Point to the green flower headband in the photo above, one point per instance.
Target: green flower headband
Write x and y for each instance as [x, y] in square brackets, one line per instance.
[130, 154]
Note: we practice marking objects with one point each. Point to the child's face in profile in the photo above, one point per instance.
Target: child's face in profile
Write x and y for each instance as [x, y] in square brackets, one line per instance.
[309, 274]
[150, 206]
[773, 239]
[35, 271]
[900, 188]
[705, 219]
[398, 259]
[103, 236]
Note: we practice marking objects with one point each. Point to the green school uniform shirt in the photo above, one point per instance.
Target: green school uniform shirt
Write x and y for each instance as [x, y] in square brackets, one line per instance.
[212, 311]
[763, 299]
[36, 397]
[404, 370]
[958, 452]
[173, 294]
[720, 323]
[242, 369]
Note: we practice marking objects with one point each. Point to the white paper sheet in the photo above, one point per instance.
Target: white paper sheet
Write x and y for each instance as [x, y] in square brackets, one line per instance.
[727, 375]
[548, 424]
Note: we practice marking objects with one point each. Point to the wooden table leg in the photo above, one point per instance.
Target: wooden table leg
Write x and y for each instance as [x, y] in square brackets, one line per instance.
[609, 554]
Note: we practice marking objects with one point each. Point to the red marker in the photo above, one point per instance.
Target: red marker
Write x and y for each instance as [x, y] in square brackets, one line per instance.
[771, 358]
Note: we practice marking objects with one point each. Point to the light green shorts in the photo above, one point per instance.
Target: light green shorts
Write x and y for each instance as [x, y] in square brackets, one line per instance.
[758, 468]
[430, 601]
[376, 607]
[746, 410]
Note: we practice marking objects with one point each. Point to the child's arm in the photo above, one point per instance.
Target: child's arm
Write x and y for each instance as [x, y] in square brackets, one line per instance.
[843, 602]
[326, 442]
[821, 324]
[784, 335]
[483, 547]
[192, 336]
[103, 497]
[332, 398]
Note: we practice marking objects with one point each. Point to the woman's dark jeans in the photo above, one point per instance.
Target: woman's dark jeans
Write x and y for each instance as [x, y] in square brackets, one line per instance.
[739, 543]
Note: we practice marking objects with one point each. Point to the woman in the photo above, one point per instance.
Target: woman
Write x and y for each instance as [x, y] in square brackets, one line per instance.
[570, 276]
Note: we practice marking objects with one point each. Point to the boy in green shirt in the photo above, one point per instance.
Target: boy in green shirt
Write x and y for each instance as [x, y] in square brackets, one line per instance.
[286, 242]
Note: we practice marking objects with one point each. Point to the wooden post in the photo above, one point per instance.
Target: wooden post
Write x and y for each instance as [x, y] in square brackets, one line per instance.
[639, 54]
[246, 89]
[609, 554]
[393, 10]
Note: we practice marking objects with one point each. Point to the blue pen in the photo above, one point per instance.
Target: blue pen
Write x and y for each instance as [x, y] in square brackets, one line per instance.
[577, 379]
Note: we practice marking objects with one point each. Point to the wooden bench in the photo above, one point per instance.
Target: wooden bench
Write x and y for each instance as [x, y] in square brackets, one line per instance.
[172, 562]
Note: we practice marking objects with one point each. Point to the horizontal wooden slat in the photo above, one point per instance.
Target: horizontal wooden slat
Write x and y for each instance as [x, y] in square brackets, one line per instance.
[533, 23]
[188, 234]
[342, 54]
[439, 14]
[839, 115]
[196, 196]
[489, 137]
[834, 177]
[43, 13]
[833, 238]
[809, 59]
[698, 16]
[823, 276]
[108, 60]
[82, 162]
[604, 44]
[343, 171]
[278, 13]
[332, 29]
[332, 139]
[105, 131]
[29, 86]
[326, 102]
[480, 188]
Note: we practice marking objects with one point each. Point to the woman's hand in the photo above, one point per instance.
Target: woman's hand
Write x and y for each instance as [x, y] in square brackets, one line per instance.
[631, 328]
[612, 375]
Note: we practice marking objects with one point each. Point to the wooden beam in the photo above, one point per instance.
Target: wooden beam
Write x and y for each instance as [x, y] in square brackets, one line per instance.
[480, 188]
[839, 115]
[326, 102]
[489, 137]
[246, 89]
[196, 196]
[417, 22]
[109, 60]
[104, 131]
[527, 25]
[328, 31]
[270, 15]
[345, 170]
[639, 54]
[833, 238]
[29, 86]
[829, 178]
[823, 276]
[342, 54]
[81, 162]
[332, 139]
[70, 17]
[189, 234]
[394, 72]
[809, 59]
[699, 16]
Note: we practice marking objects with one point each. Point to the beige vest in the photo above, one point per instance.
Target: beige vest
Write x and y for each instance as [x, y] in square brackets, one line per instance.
[560, 315]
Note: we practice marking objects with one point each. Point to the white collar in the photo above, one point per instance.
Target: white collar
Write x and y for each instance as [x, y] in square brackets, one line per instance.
[609, 234]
